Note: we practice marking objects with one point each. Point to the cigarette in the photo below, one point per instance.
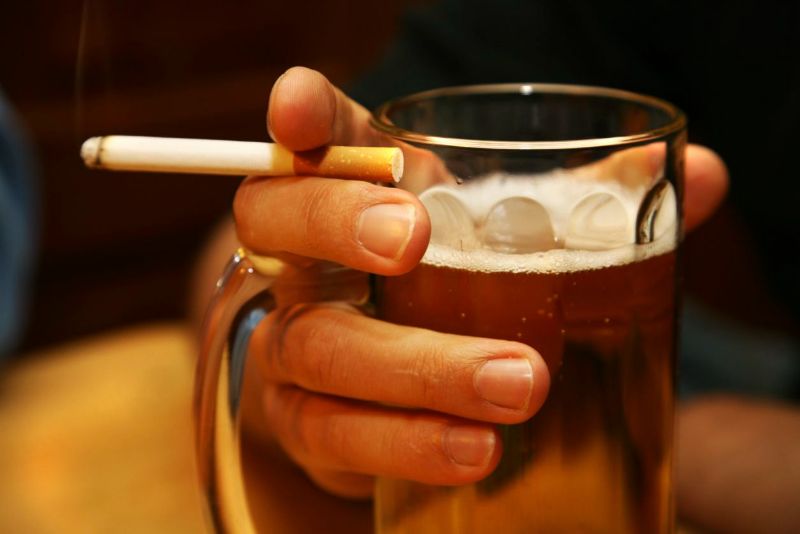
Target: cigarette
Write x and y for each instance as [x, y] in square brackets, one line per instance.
[207, 156]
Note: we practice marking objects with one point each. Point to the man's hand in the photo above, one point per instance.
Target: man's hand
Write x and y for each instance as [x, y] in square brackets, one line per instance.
[332, 380]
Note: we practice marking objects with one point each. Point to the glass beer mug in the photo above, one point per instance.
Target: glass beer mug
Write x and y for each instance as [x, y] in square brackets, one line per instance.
[556, 217]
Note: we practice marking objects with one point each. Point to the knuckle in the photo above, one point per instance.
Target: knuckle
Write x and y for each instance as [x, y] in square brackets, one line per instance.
[392, 441]
[274, 364]
[322, 346]
[314, 210]
[422, 443]
[289, 345]
[316, 214]
[432, 367]
[308, 347]
[308, 344]
[329, 212]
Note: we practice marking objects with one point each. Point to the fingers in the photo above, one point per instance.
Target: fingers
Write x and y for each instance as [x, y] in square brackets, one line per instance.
[306, 111]
[333, 434]
[706, 176]
[374, 229]
[632, 167]
[370, 228]
[706, 184]
[332, 349]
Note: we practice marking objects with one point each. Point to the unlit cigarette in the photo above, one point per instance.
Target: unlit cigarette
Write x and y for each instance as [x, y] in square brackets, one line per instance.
[206, 156]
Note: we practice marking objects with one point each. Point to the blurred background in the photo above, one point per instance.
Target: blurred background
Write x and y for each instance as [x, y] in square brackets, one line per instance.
[92, 412]
[95, 399]
[116, 248]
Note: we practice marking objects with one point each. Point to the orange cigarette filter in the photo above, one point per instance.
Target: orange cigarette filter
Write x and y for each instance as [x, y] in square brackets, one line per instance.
[208, 156]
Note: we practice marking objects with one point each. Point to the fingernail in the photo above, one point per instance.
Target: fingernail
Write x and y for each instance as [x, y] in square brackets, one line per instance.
[469, 445]
[385, 229]
[505, 382]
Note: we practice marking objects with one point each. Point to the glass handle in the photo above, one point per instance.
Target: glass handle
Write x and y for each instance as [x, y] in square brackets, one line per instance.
[241, 301]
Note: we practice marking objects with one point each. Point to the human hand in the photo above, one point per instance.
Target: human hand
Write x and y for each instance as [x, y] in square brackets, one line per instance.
[333, 376]
[334, 380]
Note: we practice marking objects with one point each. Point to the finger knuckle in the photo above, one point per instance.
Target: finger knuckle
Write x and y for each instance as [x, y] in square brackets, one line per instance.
[328, 213]
[431, 368]
[308, 346]
[320, 210]
[322, 346]
[314, 209]
[422, 443]
[305, 348]
[393, 441]
[275, 363]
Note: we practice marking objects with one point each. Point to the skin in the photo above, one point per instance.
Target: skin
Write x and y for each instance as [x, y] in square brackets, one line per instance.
[739, 465]
[337, 421]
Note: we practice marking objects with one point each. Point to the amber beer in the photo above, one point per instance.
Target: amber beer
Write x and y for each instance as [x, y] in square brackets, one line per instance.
[598, 456]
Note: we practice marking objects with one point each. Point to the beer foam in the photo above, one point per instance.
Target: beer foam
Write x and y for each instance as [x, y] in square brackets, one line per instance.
[551, 261]
[564, 195]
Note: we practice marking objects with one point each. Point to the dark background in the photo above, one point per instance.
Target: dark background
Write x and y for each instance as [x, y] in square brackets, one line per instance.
[117, 248]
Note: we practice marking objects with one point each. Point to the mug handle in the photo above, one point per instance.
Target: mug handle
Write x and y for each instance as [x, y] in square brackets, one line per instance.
[245, 295]
[242, 299]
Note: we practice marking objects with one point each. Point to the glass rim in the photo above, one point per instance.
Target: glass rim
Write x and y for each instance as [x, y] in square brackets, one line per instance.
[381, 121]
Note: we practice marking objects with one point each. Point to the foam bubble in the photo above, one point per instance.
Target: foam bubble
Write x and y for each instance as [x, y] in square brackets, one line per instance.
[451, 223]
[551, 261]
[594, 219]
[518, 225]
[599, 221]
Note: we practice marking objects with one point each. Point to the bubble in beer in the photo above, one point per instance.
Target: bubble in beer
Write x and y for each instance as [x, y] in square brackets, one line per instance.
[518, 225]
[451, 223]
[599, 221]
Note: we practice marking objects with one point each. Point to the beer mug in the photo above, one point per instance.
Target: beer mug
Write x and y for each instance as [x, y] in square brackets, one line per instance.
[555, 221]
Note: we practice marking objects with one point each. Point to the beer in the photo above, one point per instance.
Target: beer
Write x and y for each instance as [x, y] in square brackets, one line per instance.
[554, 222]
[597, 457]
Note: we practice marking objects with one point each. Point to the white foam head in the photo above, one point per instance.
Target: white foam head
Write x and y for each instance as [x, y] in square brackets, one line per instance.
[555, 222]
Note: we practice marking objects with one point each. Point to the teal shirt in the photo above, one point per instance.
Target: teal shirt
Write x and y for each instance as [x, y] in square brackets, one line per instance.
[17, 226]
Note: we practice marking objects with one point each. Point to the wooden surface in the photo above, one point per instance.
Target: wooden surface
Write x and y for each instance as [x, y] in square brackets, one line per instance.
[96, 436]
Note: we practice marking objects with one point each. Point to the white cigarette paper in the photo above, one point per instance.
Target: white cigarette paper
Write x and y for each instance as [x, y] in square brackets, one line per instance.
[207, 156]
